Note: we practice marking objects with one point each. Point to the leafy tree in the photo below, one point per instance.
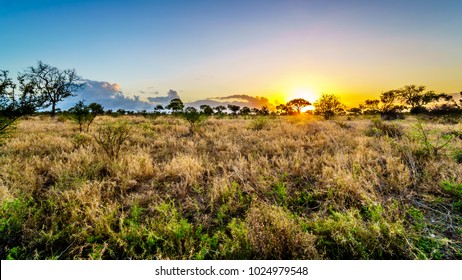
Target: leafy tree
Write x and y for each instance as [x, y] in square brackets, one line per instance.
[13, 105]
[244, 111]
[121, 112]
[176, 105]
[219, 109]
[194, 118]
[95, 110]
[355, 111]
[81, 114]
[283, 109]
[255, 111]
[389, 109]
[298, 104]
[416, 97]
[85, 114]
[206, 109]
[264, 111]
[370, 107]
[233, 108]
[53, 85]
[328, 106]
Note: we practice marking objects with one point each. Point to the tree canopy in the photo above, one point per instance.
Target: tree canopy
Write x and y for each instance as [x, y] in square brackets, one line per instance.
[328, 106]
[51, 84]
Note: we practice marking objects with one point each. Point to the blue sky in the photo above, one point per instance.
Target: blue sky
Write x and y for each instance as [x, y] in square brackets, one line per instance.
[276, 49]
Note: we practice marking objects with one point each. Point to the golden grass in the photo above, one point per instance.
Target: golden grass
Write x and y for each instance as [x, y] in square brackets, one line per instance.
[283, 187]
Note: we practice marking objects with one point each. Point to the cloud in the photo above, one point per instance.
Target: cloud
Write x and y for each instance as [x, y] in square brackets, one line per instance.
[242, 100]
[250, 101]
[107, 94]
[164, 100]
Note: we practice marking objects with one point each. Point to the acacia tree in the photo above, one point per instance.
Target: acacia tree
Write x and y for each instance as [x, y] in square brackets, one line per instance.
[298, 104]
[389, 109]
[51, 84]
[206, 109]
[219, 109]
[234, 108]
[85, 114]
[176, 105]
[416, 97]
[328, 106]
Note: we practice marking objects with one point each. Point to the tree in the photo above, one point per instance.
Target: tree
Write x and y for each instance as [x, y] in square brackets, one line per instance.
[264, 111]
[298, 104]
[283, 109]
[95, 110]
[206, 109]
[328, 106]
[84, 115]
[389, 110]
[370, 107]
[13, 105]
[194, 118]
[53, 85]
[233, 108]
[81, 114]
[355, 111]
[416, 97]
[176, 105]
[244, 111]
[219, 109]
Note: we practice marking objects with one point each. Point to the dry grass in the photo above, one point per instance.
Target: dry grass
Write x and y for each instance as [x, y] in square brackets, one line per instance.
[285, 187]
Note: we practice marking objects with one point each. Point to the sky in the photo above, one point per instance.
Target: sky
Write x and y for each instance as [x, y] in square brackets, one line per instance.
[138, 53]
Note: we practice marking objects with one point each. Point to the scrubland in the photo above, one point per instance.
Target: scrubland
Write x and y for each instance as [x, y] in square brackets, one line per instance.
[237, 188]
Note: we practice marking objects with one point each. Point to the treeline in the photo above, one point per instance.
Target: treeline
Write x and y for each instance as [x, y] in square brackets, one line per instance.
[44, 86]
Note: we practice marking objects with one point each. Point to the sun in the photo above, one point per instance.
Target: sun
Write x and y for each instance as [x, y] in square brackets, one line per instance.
[305, 93]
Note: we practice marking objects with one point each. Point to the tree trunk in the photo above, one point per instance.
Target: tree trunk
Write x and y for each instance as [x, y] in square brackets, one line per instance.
[53, 109]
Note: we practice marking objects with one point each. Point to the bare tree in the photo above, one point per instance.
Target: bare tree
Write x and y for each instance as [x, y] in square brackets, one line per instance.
[53, 85]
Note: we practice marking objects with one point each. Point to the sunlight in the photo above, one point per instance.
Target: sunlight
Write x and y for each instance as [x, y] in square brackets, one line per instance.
[305, 93]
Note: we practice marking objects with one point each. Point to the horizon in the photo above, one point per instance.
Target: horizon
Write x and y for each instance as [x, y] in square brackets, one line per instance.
[141, 52]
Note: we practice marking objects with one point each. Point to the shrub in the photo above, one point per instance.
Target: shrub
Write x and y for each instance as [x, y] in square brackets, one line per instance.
[276, 235]
[258, 123]
[112, 137]
[379, 128]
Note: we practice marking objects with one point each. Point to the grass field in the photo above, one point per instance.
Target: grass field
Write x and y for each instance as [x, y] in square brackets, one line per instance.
[138, 187]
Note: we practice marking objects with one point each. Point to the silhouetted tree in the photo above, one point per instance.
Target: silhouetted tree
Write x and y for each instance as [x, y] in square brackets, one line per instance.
[328, 106]
[370, 107]
[264, 111]
[176, 105]
[219, 109]
[298, 104]
[233, 108]
[355, 111]
[389, 109]
[283, 109]
[244, 111]
[121, 112]
[53, 85]
[416, 97]
[206, 109]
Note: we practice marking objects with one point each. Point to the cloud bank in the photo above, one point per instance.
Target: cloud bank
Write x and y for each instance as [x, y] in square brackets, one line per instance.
[111, 97]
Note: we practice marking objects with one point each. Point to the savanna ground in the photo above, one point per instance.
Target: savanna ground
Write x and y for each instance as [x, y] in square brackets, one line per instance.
[255, 188]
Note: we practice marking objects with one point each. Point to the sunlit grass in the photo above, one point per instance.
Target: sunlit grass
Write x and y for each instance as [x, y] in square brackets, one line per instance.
[256, 188]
